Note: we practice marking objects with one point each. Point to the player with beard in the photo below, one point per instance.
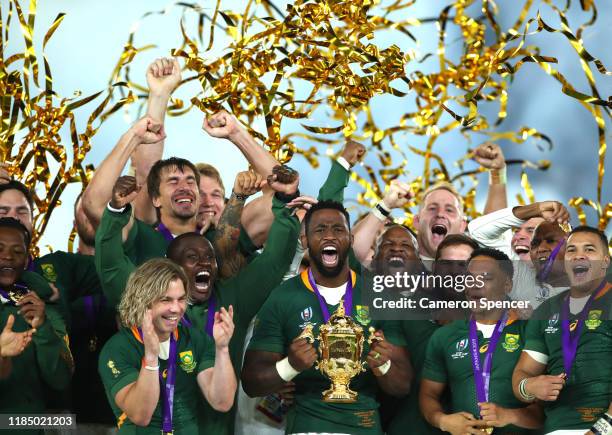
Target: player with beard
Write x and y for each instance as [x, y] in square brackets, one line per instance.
[275, 356]
[34, 352]
[566, 360]
[474, 358]
[155, 369]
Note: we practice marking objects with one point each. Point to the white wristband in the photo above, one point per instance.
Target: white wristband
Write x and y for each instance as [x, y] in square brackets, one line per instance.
[344, 163]
[152, 368]
[378, 215]
[115, 210]
[285, 370]
[602, 426]
[382, 370]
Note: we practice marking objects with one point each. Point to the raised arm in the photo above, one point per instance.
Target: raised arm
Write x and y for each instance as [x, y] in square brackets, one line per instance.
[12, 344]
[491, 157]
[225, 236]
[163, 76]
[225, 126]
[98, 192]
[112, 264]
[366, 230]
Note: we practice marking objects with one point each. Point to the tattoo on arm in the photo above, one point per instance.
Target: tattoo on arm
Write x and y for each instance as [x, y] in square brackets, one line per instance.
[227, 234]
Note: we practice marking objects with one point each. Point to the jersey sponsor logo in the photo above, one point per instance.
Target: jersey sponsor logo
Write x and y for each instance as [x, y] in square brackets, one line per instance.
[114, 370]
[306, 314]
[511, 342]
[573, 325]
[48, 272]
[461, 346]
[552, 324]
[484, 348]
[362, 314]
[186, 361]
[593, 320]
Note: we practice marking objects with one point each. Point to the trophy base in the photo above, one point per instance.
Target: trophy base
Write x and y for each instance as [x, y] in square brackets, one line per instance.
[339, 395]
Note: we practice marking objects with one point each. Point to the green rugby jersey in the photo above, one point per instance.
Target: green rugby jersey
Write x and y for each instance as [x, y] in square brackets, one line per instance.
[282, 318]
[448, 361]
[45, 363]
[588, 391]
[120, 363]
[416, 335]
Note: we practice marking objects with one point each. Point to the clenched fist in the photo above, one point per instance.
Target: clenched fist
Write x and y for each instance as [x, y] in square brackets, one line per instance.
[553, 211]
[147, 130]
[353, 152]
[247, 183]
[124, 191]
[163, 76]
[222, 125]
[302, 354]
[284, 180]
[490, 156]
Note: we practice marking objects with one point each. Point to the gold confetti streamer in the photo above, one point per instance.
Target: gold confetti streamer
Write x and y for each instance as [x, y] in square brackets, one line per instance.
[30, 122]
[327, 47]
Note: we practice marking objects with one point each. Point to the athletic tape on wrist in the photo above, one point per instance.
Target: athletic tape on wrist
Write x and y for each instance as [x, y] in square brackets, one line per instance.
[285, 370]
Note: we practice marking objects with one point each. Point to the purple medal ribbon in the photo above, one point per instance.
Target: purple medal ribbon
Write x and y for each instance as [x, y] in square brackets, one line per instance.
[210, 316]
[482, 374]
[545, 271]
[167, 390]
[348, 296]
[165, 232]
[569, 341]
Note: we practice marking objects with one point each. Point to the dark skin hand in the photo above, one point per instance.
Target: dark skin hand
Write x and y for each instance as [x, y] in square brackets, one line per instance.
[32, 308]
[353, 152]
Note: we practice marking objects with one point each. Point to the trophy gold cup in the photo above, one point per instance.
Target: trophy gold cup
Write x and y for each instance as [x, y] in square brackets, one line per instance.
[340, 348]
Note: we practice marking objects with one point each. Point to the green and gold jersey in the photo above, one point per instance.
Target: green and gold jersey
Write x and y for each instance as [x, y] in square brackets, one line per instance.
[448, 361]
[416, 335]
[74, 275]
[287, 311]
[588, 391]
[120, 363]
[45, 362]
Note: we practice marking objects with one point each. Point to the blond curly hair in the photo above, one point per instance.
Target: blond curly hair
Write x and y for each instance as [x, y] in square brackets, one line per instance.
[146, 285]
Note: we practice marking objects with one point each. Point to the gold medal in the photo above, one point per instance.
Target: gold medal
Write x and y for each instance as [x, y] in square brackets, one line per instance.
[489, 429]
[17, 294]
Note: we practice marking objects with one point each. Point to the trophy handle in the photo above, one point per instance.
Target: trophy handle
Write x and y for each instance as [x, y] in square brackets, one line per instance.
[372, 338]
[307, 334]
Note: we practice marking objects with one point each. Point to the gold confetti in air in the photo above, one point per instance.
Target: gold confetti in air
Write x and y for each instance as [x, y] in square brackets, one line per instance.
[327, 47]
[32, 115]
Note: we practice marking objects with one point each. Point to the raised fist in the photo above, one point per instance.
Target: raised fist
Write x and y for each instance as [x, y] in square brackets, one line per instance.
[490, 156]
[124, 191]
[147, 130]
[163, 76]
[284, 180]
[222, 125]
[247, 183]
[398, 194]
[353, 152]
[553, 211]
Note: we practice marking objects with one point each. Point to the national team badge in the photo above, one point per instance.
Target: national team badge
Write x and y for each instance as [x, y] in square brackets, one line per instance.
[306, 314]
[511, 342]
[362, 314]
[186, 361]
[593, 321]
[48, 272]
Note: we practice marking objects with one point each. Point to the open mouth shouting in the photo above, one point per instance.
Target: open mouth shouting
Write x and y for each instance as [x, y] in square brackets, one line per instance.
[329, 256]
[521, 249]
[184, 199]
[580, 271]
[396, 261]
[202, 281]
[438, 232]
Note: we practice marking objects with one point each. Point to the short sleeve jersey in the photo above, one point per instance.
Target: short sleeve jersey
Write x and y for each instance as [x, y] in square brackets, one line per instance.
[120, 363]
[448, 361]
[588, 391]
[292, 306]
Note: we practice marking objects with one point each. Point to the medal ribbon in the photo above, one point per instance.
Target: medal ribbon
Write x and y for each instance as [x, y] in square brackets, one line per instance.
[569, 341]
[167, 390]
[545, 271]
[482, 374]
[7, 296]
[165, 232]
[210, 316]
[347, 298]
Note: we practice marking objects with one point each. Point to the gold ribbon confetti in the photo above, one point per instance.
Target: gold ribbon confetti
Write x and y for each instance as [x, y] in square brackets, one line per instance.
[32, 117]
